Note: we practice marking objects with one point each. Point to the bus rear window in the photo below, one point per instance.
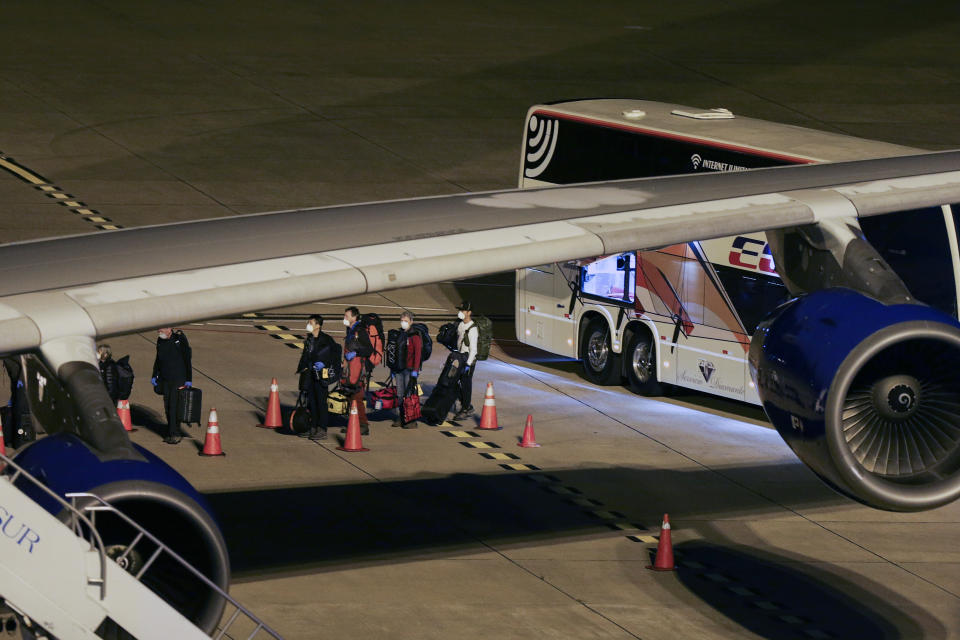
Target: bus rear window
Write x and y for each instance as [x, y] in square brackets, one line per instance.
[610, 278]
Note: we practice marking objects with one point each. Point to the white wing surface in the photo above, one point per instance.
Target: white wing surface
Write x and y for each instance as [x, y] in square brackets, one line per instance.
[135, 279]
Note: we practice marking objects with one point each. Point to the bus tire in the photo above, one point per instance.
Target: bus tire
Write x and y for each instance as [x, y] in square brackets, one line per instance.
[600, 364]
[640, 364]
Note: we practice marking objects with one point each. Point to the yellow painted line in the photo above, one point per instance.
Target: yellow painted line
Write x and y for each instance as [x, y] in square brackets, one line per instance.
[86, 212]
[644, 539]
[250, 315]
[584, 502]
[499, 456]
[287, 336]
[97, 219]
[271, 327]
[480, 445]
[625, 526]
[59, 196]
[47, 187]
[566, 491]
[109, 227]
[72, 204]
[792, 619]
[766, 604]
[606, 515]
[23, 173]
[460, 434]
[740, 591]
[520, 467]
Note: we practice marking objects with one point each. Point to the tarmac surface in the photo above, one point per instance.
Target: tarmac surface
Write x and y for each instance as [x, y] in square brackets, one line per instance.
[144, 114]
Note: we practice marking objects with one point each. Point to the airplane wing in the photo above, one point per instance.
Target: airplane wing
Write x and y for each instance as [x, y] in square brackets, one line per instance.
[135, 279]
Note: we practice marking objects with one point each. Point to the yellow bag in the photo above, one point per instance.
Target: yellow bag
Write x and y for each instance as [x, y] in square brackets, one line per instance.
[338, 403]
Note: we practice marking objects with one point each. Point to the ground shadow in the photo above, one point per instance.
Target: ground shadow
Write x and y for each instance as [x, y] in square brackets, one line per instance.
[141, 416]
[778, 598]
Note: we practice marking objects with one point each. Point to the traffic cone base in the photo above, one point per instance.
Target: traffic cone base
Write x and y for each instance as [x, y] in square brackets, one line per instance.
[488, 417]
[353, 442]
[664, 558]
[528, 440]
[123, 411]
[211, 443]
[273, 420]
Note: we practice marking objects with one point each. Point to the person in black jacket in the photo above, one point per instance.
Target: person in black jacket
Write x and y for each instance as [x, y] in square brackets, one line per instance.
[319, 350]
[356, 350]
[109, 372]
[172, 369]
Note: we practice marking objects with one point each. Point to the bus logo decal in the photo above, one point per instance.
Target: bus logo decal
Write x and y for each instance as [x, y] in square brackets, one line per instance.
[753, 254]
[706, 370]
[541, 145]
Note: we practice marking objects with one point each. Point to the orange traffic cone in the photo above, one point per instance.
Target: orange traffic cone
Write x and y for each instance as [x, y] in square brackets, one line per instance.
[488, 418]
[528, 438]
[211, 444]
[123, 410]
[273, 419]
[664, 559]
[353, 442]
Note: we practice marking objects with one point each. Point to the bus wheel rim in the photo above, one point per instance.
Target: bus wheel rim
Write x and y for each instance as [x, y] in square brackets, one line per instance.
[597, 351]
[641, 362]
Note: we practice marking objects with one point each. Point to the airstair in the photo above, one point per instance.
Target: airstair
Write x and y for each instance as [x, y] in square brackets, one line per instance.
[60, 579]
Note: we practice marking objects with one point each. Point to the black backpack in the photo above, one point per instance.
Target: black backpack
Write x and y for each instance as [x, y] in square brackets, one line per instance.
[447, 336]
[424, 333]
[395, 352]
[124, 377]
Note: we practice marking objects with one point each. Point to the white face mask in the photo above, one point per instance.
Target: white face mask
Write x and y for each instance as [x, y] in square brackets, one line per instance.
[404, 325]
[460, 315]
[162, 335]
[346, 322]
[310, 327]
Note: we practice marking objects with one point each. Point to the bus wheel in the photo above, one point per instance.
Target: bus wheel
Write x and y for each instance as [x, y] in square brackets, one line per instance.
[641, 364]
[600, 364]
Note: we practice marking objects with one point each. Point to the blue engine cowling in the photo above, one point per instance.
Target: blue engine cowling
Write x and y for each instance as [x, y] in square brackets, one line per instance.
[866, 394]
[153, 495]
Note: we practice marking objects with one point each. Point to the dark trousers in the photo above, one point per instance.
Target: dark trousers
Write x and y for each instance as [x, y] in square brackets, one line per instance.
[317, 402]
[172, 408]
[466, 388]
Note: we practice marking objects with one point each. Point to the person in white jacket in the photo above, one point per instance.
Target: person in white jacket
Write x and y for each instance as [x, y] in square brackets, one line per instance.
[468, 337]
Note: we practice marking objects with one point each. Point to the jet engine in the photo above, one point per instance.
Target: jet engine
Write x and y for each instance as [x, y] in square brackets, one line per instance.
[866, 394]
[158, 499]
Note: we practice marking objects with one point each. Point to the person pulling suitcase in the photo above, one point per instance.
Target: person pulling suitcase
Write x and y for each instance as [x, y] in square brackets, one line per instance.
[172, 369]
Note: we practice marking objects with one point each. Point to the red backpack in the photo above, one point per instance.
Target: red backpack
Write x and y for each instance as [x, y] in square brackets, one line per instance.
[374, 327]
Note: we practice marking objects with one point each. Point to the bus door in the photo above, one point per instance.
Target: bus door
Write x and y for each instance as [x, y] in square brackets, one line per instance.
[538, 304]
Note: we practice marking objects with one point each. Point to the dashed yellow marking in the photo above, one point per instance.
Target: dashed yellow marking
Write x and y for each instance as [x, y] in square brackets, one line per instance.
[59, 196]
[625, 526]
[251, 315]
[270, 327]
[47, 187]
[740, 591]
[460, 434]
[792, 619]
[644, 539]
[767, 605]
[286, 336]
[72, 204]
[500, 456]
[109, 227]
[85, 212]
[543, 479]
[481, 445]
[566, 491]
[294, 345]
[516, 466]
[29, 176]
[585, 502]
[606, 515]
[717, 577]
[98, 219]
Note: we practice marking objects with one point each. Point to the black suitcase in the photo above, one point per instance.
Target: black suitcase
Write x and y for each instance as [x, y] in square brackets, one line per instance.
[438, 405]
[188, 404]
[452, 369]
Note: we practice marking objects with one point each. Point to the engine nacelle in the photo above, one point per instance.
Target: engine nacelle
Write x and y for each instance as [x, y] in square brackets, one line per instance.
[157, 498]
[866, 394]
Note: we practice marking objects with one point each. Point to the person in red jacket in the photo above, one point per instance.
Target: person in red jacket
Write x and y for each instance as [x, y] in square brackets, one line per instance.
[406, 380]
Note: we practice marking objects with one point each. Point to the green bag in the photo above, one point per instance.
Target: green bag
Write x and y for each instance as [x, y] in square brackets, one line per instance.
[485, 337]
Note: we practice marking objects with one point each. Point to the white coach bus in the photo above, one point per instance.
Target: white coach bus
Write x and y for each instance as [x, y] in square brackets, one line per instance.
[684, 314]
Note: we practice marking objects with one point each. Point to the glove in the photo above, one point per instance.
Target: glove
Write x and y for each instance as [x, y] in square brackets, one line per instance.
[153, 381]
[349, 355]
[19, 384]
[317, 366]
[414, 374]
[188, 384]
[466, 368]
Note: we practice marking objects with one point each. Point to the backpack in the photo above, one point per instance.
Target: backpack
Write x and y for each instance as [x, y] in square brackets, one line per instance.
[332, 356]
[124, 377]
[484, 336]
[424, 333]
[395, 352]
[447, 336]
[374, 326]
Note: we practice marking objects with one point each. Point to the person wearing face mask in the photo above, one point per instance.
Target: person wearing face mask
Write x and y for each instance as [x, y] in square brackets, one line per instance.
[356, 349]
[319, 350]
[407, 377]
[109, 372]
[468, 337]
[172, 369]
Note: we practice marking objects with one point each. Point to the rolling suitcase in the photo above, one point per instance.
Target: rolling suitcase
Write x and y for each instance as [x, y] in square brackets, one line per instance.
[437, 406]
[188, 404]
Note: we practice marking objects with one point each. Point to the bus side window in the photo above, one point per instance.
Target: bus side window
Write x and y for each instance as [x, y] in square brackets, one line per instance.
[611, 278]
